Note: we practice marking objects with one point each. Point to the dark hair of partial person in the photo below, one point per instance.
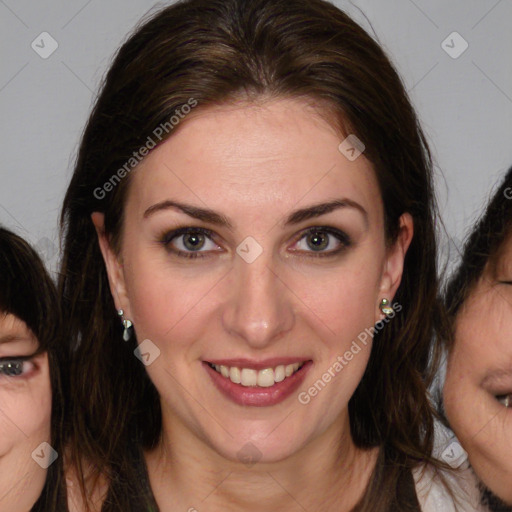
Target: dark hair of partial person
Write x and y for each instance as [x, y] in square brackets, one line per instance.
[482, 250]
[220, 52]
[28, 292]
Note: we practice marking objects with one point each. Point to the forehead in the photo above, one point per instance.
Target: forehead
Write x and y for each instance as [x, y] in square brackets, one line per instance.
[11, 323]
[14, 329]
[502, 264]
[484, 322]
[267, 156]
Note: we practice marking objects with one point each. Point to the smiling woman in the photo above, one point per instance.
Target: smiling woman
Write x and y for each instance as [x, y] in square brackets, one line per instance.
[31, 362]
[286, 218]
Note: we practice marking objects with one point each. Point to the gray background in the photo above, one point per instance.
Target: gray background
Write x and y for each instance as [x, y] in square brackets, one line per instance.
[464, 103]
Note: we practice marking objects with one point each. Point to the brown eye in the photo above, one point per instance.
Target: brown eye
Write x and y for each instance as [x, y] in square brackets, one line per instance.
[318, 241]
[505, 400]
[193, 241]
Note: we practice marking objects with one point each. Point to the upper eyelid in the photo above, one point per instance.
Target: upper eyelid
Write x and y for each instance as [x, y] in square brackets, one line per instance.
[171, 235]
[343, 238]
[339, 233]
[17, 358]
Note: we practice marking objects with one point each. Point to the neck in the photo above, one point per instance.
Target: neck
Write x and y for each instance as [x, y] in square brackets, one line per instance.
[329, 473]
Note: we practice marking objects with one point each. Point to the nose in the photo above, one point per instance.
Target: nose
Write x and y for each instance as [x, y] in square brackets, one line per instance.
[260, 306]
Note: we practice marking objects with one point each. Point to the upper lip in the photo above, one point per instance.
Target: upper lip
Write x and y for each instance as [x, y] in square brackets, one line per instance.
[258, 365]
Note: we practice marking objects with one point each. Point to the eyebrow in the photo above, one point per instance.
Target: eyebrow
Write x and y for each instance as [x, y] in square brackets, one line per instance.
[297, 216]
[323, 208]
[204, 214]
[9, 338]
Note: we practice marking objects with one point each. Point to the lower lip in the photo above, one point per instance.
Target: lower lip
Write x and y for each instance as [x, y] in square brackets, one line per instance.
[256, 396]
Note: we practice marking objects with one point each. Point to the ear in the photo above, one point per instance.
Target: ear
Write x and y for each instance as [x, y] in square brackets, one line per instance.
[394, 263]
[113, 264]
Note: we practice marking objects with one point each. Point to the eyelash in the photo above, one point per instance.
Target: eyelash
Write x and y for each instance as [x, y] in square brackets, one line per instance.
[168, 237]
[5, 369]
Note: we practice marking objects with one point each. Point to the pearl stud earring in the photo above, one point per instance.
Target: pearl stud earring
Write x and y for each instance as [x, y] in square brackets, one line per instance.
[385, 307]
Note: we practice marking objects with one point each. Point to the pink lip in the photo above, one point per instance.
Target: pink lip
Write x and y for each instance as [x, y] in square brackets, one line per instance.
[258, 365]
[256, 396]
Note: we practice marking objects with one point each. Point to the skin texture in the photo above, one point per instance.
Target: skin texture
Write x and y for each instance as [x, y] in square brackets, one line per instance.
[255, 164]
[25, 414]
[479, 371]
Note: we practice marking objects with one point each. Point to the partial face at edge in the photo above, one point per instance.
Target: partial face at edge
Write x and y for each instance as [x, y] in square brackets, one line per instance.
[305, 298]
[479, 378]
[25, 415]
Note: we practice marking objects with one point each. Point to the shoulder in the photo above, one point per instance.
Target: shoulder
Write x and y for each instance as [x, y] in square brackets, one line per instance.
[449, 491]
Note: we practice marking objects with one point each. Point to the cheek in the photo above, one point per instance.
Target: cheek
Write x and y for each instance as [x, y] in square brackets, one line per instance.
[490, 452]
[482, 425]
[167, 303]
[467, 405]
[341, 299]
[344, 300]
[24, 425]
[26, 414]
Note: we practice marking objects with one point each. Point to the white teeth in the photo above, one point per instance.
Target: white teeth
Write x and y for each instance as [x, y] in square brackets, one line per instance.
[234, 375]
[263, 378]
[266, 378]
[279, 374]
[249, 377]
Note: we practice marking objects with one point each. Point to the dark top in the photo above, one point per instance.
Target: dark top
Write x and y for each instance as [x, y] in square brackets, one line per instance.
[141, 497]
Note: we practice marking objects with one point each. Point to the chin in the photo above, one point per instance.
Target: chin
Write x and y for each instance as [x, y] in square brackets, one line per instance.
[265, 449]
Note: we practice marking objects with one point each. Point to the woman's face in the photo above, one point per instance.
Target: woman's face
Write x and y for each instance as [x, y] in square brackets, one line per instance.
[284, 262]
[478, 385]
[25, 415]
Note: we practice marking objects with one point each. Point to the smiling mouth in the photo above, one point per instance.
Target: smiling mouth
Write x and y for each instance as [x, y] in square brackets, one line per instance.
[250, 377]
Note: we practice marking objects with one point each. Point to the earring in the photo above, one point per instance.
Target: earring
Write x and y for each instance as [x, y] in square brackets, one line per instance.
[127, 334]
[385, 307]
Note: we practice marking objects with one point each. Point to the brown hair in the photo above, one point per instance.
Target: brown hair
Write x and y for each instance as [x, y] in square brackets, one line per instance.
[28, 293]
[213, 52]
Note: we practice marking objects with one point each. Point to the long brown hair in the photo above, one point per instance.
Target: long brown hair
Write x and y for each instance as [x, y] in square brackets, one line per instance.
[211, 52]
